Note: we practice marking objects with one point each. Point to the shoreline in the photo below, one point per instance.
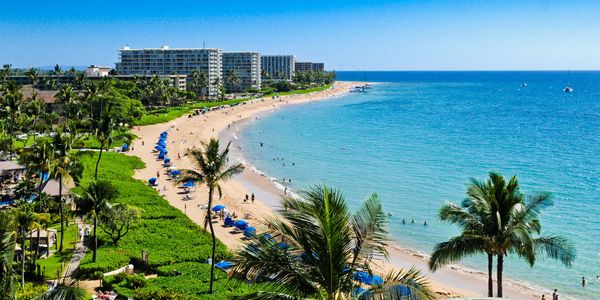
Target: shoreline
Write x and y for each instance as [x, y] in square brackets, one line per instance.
[186, 133]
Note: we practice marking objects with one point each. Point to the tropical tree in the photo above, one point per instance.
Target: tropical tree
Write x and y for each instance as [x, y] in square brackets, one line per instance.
[67, 97]
[11, 106]
[33, 75]
[57, 70]
[212, 169]
[117, 220]
[199, 82]
[233, 80]
[326, 245]
[8, 241]
[499, 217]
[64, 292]
[25, 218]
[94, 201]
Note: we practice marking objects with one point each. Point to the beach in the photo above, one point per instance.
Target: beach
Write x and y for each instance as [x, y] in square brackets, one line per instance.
[187, 132]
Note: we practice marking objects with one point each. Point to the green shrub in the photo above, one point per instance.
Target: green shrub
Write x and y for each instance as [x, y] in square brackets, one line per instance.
[30, 291]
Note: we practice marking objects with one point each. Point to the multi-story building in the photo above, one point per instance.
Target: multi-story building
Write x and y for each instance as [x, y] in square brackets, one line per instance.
[166, 61]
[309, 66]
[241, 71]
[95, 71]
[278, 67]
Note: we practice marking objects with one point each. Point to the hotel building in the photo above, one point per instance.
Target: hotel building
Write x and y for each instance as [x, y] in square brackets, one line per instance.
[246, 66]
[309, 66]
[166, 61]
[278, 67]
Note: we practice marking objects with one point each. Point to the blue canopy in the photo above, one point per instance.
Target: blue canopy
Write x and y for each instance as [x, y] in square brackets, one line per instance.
[164, 133]
[218, 207]
[224, 265]
[161, 143]
[241, 224]
[189, 184]
[167, 160]
[366, 278]
[152, 180]
[229, 222]
[124, 147]
[175, 172]
[159, 147]
[250, 232]
[161, 155]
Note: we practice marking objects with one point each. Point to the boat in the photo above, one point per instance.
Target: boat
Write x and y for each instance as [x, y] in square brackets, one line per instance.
[524, 84]
[568, 89]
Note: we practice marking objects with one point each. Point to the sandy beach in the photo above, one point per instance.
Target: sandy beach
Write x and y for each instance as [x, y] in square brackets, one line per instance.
[187, 132]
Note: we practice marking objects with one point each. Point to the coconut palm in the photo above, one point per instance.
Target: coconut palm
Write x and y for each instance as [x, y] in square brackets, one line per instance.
[11, 105]
[8, 241]
[233, 80]
[64, 292]
[212, 169]
[500, 218]
[93, 201]
[26, 219]
[199, 81]
[329, 245]
[67, 97]
[33, 75]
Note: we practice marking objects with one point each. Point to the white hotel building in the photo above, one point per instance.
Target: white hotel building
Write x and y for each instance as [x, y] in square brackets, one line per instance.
[278, 67]
[246, 66]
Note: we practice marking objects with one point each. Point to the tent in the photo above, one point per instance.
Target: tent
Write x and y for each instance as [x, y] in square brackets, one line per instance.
[241, 224]
[250, 232]
[229, 222]
[366, 278]
[218, 207]
[152, 181]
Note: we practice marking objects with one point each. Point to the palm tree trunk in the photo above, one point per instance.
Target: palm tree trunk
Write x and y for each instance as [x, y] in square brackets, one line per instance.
[62, 214]
[37, 248]
[490, 280]
[12, 143]
[95, 240]
[98, 161]
[499, 274]
[214, 240]
[22, 256]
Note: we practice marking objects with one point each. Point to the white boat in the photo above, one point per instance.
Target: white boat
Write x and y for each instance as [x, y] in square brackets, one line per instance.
[568, 89]
[524, 84]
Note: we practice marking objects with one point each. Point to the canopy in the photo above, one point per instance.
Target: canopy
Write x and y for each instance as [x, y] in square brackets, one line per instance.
[224, 265]
[366, 278]
[167, 160]
[229, 222]
[250, 232]
[159, 147]
[241, 224]
[189, 183]
[152, 180]
[175, 172]
[124, 147]
[164, 134]
[161, 155]
[218, 207]
[161, 143]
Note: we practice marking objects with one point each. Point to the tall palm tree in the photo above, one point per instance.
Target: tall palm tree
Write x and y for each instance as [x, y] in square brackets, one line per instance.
[93, 201]
[25, 218]
[199, 81]
[67, 97]
[12, 104]
[8, 241]
[33, 75]
[232, 79]
[508, 223]
[212, 169]
[328, 245]
[63, 166]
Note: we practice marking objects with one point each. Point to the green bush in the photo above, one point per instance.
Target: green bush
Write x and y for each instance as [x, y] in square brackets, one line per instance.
[30, 291]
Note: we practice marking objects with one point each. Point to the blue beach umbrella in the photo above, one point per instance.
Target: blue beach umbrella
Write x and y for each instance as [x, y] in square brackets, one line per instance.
[175, 172]
[366, 278]
[152, 180]
[124, 147]
[189, 184]
[283, 246]
[218, 207]
[167, 160]
[241, 224]
[250, 232]
[229, 222]
[224, 265]
[162, 155]
[158, 147]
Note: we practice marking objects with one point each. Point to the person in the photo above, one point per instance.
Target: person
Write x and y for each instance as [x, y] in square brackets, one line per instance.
[157, 174]
[413, 221]
[252, 198]
[555, 295]
[403, 221]
[142, 142]
[582, 280]
[543, 297]
[178, 155]
[425, 223]
[285, 190]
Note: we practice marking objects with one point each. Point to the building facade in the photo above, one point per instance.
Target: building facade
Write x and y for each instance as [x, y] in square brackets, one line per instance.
[95, 71]
[309, 66]
[166, 61]
[277, 67]
[241, 71]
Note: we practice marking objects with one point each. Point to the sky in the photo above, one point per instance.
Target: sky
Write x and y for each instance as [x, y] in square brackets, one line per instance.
[345, 35]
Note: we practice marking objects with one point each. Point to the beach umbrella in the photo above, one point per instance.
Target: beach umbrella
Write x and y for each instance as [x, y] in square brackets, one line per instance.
[218, 207]
[224, 265]
[124, 147]
[250, 232]
[158, 147]
[161, 143]
[241, 224]
[164, 133]
[167, 160]
[283, 246]
[175, 172]
[366, 278]
[229, 222]
[189, 184]
[161, 155]
[152, 180]
[400, 290]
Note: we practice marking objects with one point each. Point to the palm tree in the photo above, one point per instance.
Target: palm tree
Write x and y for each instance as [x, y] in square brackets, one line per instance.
[199, 81]
[329, 245]
[505, 222]
[8, 241]
[25, 218]
[63, 166]
[67, 97]
[94, 200]
[232, 79]
[212, 170]
[64, 292]
[33, 75]
[12, 104]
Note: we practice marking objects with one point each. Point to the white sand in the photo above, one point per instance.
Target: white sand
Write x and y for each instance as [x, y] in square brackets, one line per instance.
[187, 133]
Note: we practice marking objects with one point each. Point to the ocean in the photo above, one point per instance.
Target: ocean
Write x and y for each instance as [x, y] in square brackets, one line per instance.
[416, 138]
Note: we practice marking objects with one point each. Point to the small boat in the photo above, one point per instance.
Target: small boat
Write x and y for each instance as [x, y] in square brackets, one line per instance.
[524, 84]
[568, 89]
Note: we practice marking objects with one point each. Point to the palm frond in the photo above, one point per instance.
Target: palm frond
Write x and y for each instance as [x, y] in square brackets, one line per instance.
[402, 284]
[455, 249]
[557, 247]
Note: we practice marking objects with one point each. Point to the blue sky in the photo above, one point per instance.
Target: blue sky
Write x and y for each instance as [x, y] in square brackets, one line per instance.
[346, 35]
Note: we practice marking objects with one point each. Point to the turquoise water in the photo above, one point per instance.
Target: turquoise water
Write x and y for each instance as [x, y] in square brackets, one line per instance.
[417, 137]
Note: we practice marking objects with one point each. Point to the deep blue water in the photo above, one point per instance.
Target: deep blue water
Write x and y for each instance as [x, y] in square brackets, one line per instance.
[417, 137]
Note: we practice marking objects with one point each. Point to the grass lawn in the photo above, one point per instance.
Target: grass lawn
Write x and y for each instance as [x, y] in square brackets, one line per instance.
[59, 259]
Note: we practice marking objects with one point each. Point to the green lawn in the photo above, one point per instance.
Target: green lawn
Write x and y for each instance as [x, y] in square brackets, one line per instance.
[58, 259]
